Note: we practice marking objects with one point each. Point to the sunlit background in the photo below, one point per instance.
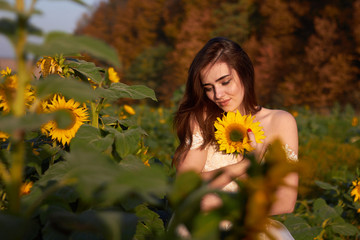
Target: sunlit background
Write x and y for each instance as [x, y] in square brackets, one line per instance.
[58, 15]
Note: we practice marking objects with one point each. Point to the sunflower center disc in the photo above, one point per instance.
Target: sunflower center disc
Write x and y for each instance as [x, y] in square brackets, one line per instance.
[236, 136]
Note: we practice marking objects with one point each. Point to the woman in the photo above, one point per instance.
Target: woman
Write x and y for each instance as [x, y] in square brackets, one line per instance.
[221, 79]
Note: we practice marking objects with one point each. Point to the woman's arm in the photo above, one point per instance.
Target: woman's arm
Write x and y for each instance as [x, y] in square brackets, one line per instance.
[195, 160]
[285, 129]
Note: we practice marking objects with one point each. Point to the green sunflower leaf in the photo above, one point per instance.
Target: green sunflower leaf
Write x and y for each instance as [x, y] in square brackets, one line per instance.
[68, 87]
[345, 229]
[70, 45]
[150, 224]
[127, 142]
[87, 69]
[121, 90]
[89, 135]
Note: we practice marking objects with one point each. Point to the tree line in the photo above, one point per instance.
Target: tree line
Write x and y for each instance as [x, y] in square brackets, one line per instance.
[304, 52]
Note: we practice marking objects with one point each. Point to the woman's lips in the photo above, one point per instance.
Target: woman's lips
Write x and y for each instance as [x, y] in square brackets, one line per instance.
[224, 103]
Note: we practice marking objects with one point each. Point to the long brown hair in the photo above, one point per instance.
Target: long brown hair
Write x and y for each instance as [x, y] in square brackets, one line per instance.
[196, 108]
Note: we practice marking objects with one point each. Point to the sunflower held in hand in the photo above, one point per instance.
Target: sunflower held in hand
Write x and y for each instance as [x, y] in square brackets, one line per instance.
[231, 132]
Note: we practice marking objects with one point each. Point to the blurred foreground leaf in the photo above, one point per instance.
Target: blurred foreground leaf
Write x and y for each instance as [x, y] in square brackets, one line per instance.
[68, 45]
[10, 123]
[68, 87]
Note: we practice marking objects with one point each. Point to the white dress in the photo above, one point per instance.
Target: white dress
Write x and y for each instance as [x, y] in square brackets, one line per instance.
[216, 159]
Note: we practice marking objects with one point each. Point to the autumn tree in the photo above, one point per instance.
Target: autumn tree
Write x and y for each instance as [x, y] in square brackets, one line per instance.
[304, 52]
[327, 72]
[194, 31]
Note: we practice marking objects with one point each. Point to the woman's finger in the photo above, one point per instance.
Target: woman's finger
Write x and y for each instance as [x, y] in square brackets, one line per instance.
[251, 136]
[210, 202]
[254, 144]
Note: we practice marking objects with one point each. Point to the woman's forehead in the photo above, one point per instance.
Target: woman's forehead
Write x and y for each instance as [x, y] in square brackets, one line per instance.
[215, 71]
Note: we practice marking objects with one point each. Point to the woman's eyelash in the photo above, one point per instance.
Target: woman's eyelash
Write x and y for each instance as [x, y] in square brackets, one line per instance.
[207, 89]
[226, 82]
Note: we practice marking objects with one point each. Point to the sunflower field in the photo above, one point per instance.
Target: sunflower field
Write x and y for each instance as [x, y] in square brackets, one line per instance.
[85, 156]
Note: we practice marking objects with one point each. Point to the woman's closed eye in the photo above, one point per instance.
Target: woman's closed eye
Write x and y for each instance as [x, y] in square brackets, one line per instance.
[226, 82]
[207, 89]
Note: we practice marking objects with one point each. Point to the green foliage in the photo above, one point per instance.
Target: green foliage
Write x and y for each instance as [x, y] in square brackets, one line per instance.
[68, 45]
[333, 216]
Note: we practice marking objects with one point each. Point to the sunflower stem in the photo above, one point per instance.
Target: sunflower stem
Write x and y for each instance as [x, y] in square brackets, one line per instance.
[18, 109]
[18, 105]
[52, 159]
[16, 173]
[94, 115]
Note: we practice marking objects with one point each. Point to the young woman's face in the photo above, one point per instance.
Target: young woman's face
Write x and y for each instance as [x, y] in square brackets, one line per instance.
[222, 85]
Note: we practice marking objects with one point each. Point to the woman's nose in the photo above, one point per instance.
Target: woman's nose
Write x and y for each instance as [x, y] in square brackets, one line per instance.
[218, 93]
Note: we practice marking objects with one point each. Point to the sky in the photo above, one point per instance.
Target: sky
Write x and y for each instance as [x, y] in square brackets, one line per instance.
[57, 15]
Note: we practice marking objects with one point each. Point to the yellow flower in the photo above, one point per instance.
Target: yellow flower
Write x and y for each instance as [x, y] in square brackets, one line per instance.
[3, 136]
[354, 121]
[93, 84]
[48, 65]
[122, 116]
[25, 188]
[231, 132]
[356, 190]
[146, 163]
[8, 90]
[129, 109]
[78, 117]
[6, 72]
[113, 76]
[295, 113]
[160, 111]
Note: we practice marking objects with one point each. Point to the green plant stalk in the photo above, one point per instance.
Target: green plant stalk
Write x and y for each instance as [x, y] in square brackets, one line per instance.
[95, 110]
[16, 175]
[94, 115]
[18, 109]
[18, 105]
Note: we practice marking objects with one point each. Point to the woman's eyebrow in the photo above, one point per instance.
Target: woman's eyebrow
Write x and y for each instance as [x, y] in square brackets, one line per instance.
[219, 79]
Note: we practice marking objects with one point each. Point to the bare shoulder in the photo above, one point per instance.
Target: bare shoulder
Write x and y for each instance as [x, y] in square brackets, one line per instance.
[274, 116]
[284, 127]
[279, 124]
[282, 117]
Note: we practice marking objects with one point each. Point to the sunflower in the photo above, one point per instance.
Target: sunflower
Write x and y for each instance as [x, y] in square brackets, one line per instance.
[25, 188]
[3, 136]
[231, 132]
[354, 121]
[113, 76]
[8, 90]
[356, 190]
[49, 65]
[78, 117]
[129, 109]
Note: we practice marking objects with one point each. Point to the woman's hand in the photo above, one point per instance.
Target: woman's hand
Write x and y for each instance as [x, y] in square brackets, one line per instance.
[258, 146]
[210, 202]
